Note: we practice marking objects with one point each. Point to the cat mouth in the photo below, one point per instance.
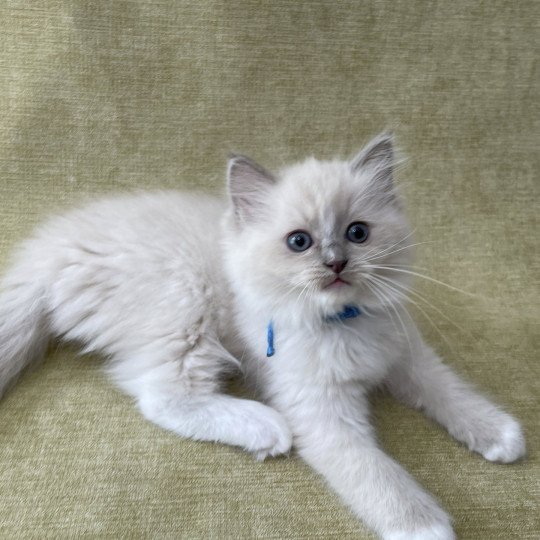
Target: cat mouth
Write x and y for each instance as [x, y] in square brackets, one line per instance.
[337, 283]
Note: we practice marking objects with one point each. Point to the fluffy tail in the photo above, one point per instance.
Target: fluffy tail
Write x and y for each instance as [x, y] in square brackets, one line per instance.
[23, 326]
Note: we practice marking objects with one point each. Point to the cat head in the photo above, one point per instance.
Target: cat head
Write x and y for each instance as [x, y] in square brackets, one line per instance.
[320, 234]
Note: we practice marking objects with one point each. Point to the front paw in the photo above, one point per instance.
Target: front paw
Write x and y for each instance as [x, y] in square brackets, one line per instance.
[265, 432]
[508, 446]
[422, 519]
[433, 532]
[493, 434]
[442, 531]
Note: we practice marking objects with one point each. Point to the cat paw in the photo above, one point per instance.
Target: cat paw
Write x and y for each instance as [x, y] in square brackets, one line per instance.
[266, 433]
[509, 446]
[433, 532]
[497, 437]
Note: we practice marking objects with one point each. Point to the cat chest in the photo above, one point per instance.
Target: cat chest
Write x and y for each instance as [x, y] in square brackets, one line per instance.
[336, 353]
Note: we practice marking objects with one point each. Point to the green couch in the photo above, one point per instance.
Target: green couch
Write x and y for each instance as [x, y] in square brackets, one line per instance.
[99, 97]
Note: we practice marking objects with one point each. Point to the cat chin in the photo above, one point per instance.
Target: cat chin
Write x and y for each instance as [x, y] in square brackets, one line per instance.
[333, 299]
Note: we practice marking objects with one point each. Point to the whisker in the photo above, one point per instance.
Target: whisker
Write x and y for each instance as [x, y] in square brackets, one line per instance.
[429, 319]
[404, 307]
[410, 290]
[393, 245]
[383, 305]
[391, 305]
[417, 274]
[382, 253]
[409, 266]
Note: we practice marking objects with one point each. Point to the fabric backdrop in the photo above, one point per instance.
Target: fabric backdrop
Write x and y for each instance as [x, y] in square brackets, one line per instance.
[103, 96]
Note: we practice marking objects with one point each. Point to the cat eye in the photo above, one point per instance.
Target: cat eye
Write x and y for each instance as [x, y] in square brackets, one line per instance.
[299, 241]
[358, 232]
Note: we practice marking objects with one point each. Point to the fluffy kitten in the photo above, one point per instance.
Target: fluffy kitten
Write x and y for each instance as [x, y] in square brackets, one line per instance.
[308, 266]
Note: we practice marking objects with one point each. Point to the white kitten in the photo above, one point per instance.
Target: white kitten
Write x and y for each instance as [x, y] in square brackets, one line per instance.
[309, 266]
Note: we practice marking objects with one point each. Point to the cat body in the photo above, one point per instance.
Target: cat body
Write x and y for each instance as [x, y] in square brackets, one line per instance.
[299, 280]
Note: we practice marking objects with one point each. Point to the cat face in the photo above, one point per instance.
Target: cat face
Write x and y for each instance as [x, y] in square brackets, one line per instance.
[321, 234]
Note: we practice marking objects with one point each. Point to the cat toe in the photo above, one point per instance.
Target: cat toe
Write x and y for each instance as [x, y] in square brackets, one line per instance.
[433, 532]
[280, 443]
[510, 447]
[269, 434]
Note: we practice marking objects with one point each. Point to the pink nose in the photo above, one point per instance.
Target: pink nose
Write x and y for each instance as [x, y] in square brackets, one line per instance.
[336, 266]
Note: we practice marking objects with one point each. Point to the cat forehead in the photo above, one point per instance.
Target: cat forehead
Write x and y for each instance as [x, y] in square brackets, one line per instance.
[320, 189]
[313, 173]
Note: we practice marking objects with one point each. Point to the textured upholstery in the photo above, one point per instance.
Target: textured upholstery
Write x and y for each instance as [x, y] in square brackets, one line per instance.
[106, 96]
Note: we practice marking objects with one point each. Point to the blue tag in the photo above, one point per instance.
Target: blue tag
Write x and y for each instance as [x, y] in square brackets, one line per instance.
[270, 339]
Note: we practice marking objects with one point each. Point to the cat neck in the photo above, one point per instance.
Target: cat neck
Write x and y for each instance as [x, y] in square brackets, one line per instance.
[349, 311]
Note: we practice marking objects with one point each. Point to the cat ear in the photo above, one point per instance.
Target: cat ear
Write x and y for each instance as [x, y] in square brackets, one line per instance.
[377, 159]
[248, 185]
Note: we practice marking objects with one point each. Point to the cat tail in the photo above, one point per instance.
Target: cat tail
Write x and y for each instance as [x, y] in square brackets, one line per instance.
[24, 329]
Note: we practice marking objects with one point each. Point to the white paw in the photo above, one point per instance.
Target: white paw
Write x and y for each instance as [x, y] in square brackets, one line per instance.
[266, 432]
[434, 532]
[510, 446]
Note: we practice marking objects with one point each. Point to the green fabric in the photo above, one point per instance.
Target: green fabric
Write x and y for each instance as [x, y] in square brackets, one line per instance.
[107, 96]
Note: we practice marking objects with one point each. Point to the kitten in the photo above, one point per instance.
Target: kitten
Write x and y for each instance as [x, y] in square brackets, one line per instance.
[299, 279]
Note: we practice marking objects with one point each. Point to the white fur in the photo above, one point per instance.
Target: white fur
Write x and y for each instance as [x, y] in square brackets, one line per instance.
[436, 532]
[177, 289]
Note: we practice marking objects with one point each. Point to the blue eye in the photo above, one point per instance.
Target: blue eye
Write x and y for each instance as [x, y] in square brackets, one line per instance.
[299, 241]
[358, 232]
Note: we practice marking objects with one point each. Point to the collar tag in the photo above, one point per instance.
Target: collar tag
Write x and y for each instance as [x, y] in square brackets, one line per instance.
[270, 339]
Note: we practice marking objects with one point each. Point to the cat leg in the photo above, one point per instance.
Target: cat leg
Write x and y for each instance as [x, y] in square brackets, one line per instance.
[182, 395]
[220, 418]
[333, 435]
[424, 382]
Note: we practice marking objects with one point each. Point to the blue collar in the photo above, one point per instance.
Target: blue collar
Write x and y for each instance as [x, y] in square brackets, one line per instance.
[349, 312]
